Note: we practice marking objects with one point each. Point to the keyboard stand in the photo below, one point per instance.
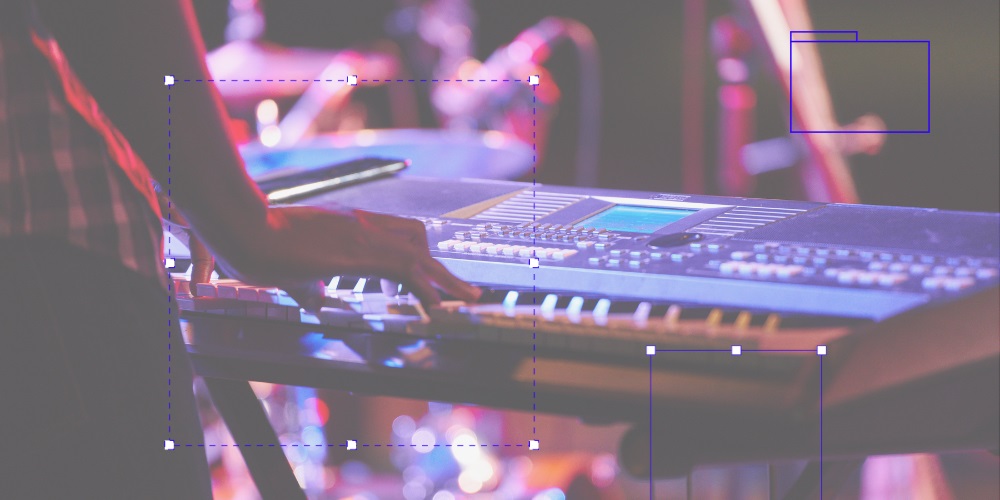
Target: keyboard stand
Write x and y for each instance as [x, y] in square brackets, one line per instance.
[248, 424]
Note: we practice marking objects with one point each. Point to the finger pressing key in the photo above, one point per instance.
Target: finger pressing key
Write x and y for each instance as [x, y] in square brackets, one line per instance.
[389, 288]
[450, 283]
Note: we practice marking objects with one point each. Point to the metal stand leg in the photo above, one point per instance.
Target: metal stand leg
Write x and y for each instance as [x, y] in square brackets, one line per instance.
[247, 422]
[817, 482]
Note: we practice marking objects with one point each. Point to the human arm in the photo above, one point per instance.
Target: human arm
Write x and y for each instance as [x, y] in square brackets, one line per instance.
[121, 50]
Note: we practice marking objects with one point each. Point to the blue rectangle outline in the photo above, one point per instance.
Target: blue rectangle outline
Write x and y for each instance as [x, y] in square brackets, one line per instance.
[791, 130]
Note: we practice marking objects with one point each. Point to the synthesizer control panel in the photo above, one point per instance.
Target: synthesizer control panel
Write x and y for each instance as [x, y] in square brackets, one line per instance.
[860, 261]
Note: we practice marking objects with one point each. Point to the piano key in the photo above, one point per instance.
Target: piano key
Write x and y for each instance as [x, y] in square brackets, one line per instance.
[493, 296]
[742, 321]
[334, 282]
[695, 313]
[249, 293]
[181, 285]
[772, 322]
[372, 285]
[641, 314]
[389, 288]
[672, 317]
[714, 318]
[624, 306]
[601, 311]
[563, 300]
[574, 309]
[337, 317]
[278, 312]
[205, 290]
[391, 323]
[658, 310]
[549, 305]
[510, 300]
[402, 309]
[347, 282]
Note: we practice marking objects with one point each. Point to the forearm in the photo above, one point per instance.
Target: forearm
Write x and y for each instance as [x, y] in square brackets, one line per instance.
[123, 67]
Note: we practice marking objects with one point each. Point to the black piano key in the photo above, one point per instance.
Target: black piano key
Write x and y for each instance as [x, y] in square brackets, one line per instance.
[563, 301]
[624, 306]
[809, 321]
[729, 316]
[695, 313]
[659, 310]
[529, 298]
[589, 304]
[493, 296]
[347, 282]
[372, 285]
[758, 319]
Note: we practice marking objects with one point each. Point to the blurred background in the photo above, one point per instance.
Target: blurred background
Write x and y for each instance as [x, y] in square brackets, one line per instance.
[658, 96]
[642, 66]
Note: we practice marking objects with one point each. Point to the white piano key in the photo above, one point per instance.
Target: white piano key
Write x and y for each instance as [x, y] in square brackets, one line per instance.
[248, 293]
[333, 283]
[548, 306]
[359, 287]
[641, 314]
[337, 317]
[510, 301]
[181, 286]
[574, 308]
[278, 312]
[601, 312]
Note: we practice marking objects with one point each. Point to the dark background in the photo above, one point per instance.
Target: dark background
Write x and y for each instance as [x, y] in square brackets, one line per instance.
[956, 166]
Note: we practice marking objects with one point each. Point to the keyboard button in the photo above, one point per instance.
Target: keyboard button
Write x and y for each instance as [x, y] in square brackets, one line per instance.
[864, 278]
[848, 277]
[741, 255]
[892, 279]
[957, 284]
[986, 274]
[962, 272]
[942, 270]
[786, 272]
[933, 283]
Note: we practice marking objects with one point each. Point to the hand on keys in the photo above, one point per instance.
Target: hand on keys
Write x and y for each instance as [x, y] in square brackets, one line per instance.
[304, 244]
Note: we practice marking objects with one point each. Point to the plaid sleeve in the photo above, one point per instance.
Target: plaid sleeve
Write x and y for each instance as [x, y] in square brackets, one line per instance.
[65, 171]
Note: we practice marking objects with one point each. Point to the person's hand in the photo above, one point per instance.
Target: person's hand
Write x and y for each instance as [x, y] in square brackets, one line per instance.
[302, 245]
[202, 261]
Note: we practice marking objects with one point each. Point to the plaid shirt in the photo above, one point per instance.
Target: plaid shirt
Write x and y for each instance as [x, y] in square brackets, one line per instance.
[65, 171]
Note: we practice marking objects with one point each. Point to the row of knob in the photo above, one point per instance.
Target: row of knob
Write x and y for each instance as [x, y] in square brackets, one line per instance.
[581, 240]
[504, 249]
[871, 255]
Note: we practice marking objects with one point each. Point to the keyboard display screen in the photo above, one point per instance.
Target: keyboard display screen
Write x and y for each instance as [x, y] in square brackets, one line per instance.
[635, 219]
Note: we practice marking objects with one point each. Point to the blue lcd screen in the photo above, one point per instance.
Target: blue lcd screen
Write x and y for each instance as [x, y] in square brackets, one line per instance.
[635, 219]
